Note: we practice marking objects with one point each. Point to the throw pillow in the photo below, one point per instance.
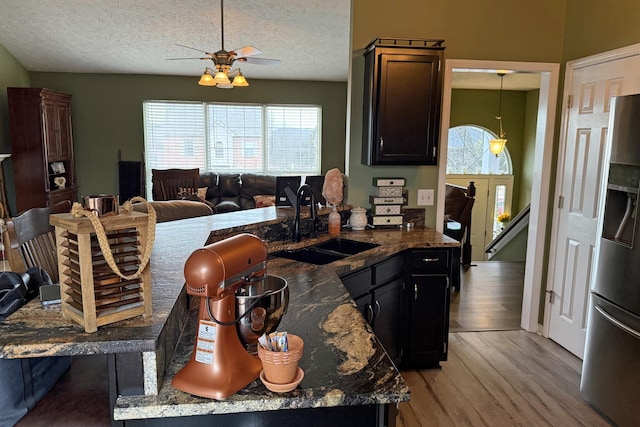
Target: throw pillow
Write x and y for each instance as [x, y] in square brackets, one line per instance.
[184, 192]
[263, 201]
[202, 193]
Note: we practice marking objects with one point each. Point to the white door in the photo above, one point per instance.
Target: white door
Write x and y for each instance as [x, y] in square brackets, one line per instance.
[579, 182]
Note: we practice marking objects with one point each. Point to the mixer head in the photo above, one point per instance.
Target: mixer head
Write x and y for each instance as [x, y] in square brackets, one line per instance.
[216, 270]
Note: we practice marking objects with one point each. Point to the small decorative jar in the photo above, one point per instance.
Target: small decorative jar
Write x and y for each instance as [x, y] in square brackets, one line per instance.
[358, 219]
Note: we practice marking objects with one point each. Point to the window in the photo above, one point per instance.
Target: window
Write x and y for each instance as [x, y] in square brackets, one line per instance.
[268, 139]
[468, 153]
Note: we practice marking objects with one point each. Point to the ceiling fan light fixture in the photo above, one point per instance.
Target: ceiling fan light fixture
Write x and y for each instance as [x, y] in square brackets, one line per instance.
[206, 79]
[239, 80]
[221, 78]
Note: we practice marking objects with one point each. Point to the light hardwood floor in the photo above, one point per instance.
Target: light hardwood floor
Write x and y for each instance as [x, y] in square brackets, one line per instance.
[497, 374]
[490, 297]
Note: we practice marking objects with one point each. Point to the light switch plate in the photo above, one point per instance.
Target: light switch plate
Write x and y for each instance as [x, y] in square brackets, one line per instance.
[425, 197]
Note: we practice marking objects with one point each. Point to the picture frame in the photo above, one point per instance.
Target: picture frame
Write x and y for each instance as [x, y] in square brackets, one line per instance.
[282, 183]
[57, 167]
[316, 182]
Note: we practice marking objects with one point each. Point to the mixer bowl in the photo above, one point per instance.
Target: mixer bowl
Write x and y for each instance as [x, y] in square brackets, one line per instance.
[265, 316]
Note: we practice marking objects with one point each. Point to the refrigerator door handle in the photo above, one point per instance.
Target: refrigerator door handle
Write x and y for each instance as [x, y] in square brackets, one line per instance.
[618, 323]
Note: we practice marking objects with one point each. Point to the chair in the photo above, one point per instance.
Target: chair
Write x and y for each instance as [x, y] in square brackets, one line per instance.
[457, 210]
[32, 240]
[167, 184]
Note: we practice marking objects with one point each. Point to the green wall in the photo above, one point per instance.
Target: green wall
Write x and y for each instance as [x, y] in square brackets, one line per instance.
[107, 115]
[595, 26]
[492, 30]
[528, 149]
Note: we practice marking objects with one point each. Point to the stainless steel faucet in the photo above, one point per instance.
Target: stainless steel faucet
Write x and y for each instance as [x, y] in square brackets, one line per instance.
[305, 189]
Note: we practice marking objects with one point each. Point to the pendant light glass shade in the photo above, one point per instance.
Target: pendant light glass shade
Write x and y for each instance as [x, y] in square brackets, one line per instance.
[239, 80]
[497, 145]
[221, 78]
[206, 79]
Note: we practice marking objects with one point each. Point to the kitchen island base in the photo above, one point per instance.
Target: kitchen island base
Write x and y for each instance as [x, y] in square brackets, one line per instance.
[347, 416]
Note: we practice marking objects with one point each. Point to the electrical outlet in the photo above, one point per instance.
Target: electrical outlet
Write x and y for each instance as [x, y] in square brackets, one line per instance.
[425, 197]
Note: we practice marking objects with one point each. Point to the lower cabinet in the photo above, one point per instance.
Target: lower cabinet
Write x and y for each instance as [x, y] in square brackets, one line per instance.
[427, 302]
[427, 298]
[377, 292]
[405, 299]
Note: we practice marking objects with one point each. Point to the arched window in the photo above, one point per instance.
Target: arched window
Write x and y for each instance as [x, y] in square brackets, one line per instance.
[468, 153]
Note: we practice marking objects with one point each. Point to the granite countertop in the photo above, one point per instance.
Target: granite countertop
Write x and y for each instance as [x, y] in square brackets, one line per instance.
[344, 363]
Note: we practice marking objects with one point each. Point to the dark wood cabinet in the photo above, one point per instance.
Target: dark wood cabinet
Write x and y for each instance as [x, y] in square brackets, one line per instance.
[377, 292]
[405, 299]
[402, 101]
[42, 147]
[427, 302]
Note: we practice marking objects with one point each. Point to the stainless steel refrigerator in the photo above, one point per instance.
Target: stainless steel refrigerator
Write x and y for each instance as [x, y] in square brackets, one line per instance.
[611, 368]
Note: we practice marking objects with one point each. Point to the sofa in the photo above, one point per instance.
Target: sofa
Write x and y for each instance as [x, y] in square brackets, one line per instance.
[187, 193]
[234, 192]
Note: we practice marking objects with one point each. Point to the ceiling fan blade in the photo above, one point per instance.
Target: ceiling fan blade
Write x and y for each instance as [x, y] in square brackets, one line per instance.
[246, 51]
[193, 48]
[180, 59]
[259, 61]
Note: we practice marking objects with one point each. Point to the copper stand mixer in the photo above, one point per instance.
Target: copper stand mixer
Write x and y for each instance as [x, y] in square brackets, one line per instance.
[220, 364]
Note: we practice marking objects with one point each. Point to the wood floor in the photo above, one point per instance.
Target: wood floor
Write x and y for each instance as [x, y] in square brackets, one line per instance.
[490, 297]
[496, 373]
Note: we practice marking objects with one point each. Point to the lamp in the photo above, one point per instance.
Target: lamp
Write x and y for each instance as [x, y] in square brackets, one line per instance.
[220, 78]
[497, 145]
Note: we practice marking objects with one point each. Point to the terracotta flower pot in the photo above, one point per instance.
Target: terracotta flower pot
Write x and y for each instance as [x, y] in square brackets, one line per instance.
[281, 367]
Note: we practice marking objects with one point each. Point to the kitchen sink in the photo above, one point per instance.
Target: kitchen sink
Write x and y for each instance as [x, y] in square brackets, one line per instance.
[309, 255]
[345, 246]
[326, 252]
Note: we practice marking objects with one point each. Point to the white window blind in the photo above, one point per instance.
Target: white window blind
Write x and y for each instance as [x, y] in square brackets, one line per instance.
[217, 137]
[235, 138]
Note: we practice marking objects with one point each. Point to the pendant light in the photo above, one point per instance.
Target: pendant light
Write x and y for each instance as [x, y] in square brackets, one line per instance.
[497, 145]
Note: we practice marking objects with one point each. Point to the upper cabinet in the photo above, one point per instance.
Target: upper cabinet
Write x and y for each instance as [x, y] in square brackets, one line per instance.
[402, 97]
[42, 147]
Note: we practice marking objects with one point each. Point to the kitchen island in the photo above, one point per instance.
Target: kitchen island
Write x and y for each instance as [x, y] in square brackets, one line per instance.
[347, 372]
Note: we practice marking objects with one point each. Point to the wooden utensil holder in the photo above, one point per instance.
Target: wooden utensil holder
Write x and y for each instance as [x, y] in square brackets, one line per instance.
[92, 294]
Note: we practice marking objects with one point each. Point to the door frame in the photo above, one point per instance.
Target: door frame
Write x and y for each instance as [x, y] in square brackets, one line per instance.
[571, 66]
[541, 178]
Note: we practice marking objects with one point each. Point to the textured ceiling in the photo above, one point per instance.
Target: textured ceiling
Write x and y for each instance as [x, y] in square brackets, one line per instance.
[310, 37]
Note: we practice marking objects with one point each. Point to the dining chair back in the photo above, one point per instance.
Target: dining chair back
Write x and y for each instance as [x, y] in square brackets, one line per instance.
[32, 241]
[169, 183]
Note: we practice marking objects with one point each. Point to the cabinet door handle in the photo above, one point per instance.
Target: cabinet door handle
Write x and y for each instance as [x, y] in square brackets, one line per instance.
[381, 144]
[377, 311]
[430, 259]
[369, 315]
[415, 292]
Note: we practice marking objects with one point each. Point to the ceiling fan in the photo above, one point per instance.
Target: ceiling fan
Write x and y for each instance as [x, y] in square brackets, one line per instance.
[223, 61]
